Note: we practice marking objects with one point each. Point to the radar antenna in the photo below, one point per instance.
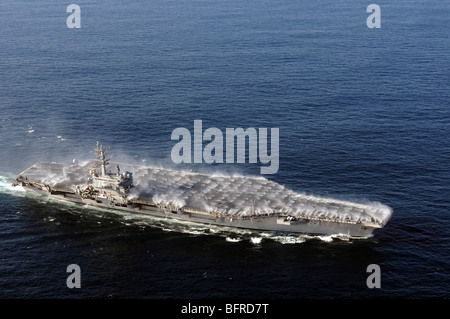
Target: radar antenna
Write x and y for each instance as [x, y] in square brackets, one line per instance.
[102, 158]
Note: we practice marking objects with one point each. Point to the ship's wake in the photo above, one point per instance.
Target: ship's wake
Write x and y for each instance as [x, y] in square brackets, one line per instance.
[6, 181]
[229, 234]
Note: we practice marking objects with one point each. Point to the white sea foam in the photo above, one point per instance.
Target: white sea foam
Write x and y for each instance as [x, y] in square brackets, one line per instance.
[289, 239]
[256, 240]
[6, 186]
[233, 240]
[327, 239]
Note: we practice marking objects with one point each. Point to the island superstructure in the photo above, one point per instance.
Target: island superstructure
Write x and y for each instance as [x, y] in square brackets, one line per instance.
[253, 203]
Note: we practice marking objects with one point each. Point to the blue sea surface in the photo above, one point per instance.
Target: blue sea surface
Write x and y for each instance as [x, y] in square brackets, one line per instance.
[363, 114]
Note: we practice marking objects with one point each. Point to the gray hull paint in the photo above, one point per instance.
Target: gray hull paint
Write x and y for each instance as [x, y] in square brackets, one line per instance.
[270, 223]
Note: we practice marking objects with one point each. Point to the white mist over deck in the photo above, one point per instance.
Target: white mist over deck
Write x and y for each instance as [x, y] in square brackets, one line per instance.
[229, 195]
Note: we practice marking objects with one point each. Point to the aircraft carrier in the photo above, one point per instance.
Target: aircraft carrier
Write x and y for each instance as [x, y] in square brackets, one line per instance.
[253, 203]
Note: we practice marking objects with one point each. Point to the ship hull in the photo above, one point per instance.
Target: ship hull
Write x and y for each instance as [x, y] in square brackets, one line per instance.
[265, 223]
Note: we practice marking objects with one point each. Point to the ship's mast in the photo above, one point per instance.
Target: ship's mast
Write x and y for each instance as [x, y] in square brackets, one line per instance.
[102, 152]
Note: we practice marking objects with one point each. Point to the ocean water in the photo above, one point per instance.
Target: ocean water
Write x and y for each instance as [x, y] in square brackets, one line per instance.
[363, 114]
